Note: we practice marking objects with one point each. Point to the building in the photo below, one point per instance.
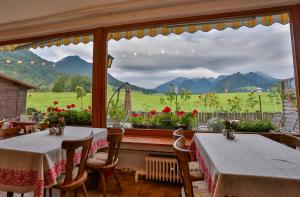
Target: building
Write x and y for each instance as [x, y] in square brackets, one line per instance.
[12, 97]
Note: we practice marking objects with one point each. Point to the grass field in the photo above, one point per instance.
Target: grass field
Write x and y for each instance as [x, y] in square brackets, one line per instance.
[140, 102]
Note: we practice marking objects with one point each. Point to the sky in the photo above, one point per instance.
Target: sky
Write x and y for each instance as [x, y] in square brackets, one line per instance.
[149, 62]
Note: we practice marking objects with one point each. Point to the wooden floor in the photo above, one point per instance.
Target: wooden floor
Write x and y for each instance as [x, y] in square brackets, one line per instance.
[130, 189]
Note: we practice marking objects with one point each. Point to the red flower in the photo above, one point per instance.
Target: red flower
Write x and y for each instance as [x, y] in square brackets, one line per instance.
[69, 106]
[167, 109]
[194, 112]
[49, 109]
[135, 115]
[55, 102]
[62, 110]
[73, 105]
[180, 113]
[153, 112]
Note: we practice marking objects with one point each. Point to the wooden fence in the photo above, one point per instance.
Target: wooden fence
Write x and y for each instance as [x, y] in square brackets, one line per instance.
[203, 117]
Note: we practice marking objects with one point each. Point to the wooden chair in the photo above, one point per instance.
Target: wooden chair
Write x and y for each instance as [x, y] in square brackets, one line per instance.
[277, 120]
[10, 132]
[190, 189]
[195, 172]
[102, 162]
[30, 129]
[290, 122]
[178, 133]
[290, 140]
[74, 177]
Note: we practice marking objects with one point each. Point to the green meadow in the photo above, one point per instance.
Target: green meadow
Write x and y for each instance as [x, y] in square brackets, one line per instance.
[144, 102]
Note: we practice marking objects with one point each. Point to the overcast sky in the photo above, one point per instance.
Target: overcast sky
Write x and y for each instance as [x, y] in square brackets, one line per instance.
[149, 62]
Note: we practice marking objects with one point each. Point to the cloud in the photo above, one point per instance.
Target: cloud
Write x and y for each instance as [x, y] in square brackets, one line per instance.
[148, 62]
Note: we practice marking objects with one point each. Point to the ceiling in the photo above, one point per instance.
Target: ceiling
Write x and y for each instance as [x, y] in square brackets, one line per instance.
[19, 19]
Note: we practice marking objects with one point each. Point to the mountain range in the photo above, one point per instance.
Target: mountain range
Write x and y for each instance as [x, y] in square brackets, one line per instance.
[35, 70]
[40, 72]
[236, 82]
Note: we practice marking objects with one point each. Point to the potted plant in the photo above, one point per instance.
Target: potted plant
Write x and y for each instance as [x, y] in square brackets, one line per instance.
[136, 120]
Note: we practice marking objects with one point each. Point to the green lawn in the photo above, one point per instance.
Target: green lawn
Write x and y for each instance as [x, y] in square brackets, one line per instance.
[140, 102]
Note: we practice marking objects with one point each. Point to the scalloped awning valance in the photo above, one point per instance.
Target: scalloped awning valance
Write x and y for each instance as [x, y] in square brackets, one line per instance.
[162, 30]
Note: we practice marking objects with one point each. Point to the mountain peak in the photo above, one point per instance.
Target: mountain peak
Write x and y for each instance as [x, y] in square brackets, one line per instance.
[72, 58]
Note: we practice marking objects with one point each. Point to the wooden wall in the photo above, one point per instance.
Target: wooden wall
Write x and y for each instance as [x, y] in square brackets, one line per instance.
[12, 99]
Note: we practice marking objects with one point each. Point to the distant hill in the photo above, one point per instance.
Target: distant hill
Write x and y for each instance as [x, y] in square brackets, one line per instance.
[42, 73]
[33, 69]
[165, 86]
[236, 82]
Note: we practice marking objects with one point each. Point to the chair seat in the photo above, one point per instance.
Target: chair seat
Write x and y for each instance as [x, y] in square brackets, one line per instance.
[60, 180]
[97, 160]
[200, 189]
[195, 172]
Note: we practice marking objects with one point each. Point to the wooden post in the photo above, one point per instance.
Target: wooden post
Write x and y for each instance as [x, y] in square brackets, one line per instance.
[99, 78]
[295, 35]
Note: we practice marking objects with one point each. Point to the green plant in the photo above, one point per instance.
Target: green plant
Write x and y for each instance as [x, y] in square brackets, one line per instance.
[188, 119]
[256, 126]
[217, 124]
[136, 119]
[80, 93]
[234, 104]
[251, 102]
[116, 112]
[84, 117]
[168, 119]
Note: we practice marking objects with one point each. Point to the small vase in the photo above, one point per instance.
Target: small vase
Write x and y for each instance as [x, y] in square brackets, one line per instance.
[61, 130]
[230, 134]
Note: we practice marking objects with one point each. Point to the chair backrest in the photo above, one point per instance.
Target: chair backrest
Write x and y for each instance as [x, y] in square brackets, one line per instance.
[10, 132]
[277, 120]
[114, 143]
[289, 140]
[183, 158]
[290, 122]
[71, 146]
[178, 133]
[30, 129]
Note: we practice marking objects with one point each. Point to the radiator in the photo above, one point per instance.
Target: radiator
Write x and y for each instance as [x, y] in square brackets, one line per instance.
[163, 168]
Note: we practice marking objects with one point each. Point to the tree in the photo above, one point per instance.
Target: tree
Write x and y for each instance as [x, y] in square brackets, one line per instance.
[80, 92]
[60, 85]
[82, 81]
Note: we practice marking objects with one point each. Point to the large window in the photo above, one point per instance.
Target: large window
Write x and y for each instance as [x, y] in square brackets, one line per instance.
[191, 79]
[60, 74]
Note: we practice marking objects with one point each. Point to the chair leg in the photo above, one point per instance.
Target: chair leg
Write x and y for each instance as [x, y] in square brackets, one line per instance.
[9, 194]
[62, 193]
[117, 179]
[84, 190]
[50, 192]
[102, 183]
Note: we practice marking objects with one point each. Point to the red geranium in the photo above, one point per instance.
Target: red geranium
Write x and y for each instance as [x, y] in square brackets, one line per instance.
[153, 112]
[167, 109]
[194, 112]
[49, 109]
[73, 105]
[180, 113]
[55, 102]
[69, 106]
[62, 110]
[135, 115]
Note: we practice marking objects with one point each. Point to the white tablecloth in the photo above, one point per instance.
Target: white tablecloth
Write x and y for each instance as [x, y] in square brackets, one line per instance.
[34, 161]
[250, 165]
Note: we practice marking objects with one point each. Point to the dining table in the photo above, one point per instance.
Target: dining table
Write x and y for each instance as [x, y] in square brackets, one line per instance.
[248, 165]
[33, 162]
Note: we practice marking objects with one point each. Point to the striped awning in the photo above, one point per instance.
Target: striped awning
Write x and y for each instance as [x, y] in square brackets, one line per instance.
[162, 30]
